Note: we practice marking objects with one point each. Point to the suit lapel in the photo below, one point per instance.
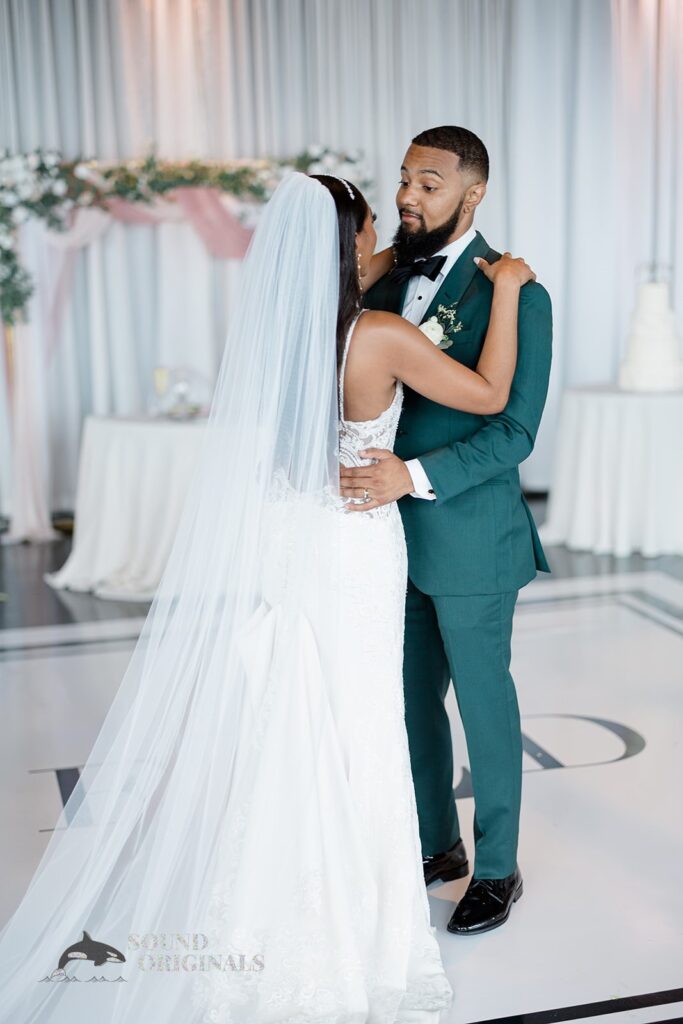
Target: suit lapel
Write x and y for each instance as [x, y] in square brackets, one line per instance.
[460, 276]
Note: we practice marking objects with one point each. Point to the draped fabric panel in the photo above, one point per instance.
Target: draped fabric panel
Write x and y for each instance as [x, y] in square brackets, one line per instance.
[578, 101]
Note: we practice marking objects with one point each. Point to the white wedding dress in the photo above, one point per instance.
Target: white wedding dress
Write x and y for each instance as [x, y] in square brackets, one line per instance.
[348, 940]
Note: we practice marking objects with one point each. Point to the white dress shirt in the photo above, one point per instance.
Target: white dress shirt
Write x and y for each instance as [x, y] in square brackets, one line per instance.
[419, 294]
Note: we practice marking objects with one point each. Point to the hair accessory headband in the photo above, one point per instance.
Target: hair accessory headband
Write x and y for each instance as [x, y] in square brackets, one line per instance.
[345, 184]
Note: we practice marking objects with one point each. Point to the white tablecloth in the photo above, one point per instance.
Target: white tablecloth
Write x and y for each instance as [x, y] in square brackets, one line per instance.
[133, 476]
[618, 478]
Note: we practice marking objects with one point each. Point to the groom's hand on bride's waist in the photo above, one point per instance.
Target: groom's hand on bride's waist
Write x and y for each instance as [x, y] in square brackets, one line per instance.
[387, 480]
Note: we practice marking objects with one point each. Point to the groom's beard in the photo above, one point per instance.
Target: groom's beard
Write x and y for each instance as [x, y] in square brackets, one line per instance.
[420, 244]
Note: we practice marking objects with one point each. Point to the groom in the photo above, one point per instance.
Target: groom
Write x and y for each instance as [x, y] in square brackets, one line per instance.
[472, 542]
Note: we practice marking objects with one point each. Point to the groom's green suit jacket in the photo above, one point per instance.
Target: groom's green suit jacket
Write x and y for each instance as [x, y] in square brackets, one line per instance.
[478, 536]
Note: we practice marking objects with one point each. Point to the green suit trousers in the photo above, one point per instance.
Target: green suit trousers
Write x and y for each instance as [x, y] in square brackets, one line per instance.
[465, 639]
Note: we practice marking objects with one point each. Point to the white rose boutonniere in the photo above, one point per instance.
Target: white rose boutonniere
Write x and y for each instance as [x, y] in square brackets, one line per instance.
[439, 327]
[433, 330]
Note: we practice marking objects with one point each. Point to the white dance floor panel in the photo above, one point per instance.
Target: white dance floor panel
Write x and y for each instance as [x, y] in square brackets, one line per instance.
[598, 934]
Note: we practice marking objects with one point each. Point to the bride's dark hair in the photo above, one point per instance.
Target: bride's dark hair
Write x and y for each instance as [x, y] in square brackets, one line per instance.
[352, 209]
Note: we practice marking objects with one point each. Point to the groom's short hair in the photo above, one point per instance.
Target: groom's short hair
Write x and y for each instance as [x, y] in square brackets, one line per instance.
[462, 142]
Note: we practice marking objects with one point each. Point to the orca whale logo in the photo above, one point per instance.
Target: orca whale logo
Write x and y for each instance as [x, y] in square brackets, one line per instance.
[87, 949]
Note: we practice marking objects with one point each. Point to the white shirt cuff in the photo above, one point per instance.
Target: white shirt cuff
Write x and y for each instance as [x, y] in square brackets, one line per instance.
[421, 485]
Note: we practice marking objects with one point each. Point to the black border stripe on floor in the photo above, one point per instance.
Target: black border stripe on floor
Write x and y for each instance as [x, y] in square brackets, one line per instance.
[672, 995]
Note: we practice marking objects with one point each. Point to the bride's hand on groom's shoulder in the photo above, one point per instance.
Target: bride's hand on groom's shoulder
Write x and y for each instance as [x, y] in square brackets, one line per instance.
[507, 268]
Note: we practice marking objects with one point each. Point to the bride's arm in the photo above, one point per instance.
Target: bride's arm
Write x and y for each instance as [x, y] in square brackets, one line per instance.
[416, 361]
[380, 264]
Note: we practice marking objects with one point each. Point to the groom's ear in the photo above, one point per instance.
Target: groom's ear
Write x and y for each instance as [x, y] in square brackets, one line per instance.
[473, 196]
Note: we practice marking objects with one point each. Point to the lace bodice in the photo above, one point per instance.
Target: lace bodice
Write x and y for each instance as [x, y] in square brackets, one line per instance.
[357, 435]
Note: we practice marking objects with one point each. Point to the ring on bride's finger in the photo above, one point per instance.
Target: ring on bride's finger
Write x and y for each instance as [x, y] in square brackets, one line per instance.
[366, 494]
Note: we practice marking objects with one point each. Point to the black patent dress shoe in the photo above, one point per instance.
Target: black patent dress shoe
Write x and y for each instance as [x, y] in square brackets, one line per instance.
[486, 904]
[446, 866]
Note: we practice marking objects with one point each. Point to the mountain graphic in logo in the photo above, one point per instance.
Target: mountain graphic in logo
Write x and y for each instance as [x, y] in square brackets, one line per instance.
[98, 953]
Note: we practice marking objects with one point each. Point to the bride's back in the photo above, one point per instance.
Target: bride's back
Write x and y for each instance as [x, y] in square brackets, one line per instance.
[368, 387]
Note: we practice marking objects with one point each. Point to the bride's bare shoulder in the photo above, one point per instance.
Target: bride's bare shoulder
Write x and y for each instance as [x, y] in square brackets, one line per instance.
[376, 324]
[382, 341]
[378, 318]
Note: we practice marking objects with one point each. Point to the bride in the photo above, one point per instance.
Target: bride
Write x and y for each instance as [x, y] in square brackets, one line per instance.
[242, 844]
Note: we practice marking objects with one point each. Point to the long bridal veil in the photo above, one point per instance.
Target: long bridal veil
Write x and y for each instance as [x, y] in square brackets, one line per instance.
[193, 776]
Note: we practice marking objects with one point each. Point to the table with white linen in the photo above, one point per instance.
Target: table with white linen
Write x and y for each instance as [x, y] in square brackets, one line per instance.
[618, 477]
[133, 477]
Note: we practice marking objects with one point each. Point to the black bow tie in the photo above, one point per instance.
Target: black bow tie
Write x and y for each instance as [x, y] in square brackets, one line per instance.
[430, 268]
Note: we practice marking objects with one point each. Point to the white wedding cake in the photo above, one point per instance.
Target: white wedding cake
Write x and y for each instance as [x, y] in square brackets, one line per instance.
[653, 358]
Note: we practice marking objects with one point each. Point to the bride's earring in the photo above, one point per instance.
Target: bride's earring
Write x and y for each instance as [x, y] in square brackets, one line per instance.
[361, 275]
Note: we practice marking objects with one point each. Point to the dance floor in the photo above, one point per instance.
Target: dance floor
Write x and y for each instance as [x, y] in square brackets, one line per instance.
[598, 934]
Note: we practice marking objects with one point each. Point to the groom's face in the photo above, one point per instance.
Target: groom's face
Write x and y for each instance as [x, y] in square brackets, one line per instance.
[430, 191]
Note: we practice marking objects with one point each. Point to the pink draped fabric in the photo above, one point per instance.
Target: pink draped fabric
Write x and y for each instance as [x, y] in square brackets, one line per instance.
[219, 229]
[221, 232]
[205, 208]
[132, 213]
[50, 256]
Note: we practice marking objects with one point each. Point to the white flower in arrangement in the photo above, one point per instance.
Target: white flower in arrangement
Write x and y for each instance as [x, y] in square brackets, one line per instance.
[433, 330]
[315, 151]
[9, 198]
[86, 172]
[9, 165]
[5, 240]
[330, 161]
[59, 187]
[26, 190]
[51, 158]
[19, 214]
[317, 169]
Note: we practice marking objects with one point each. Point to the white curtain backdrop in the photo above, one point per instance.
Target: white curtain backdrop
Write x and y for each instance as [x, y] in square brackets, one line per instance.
[563, 92]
